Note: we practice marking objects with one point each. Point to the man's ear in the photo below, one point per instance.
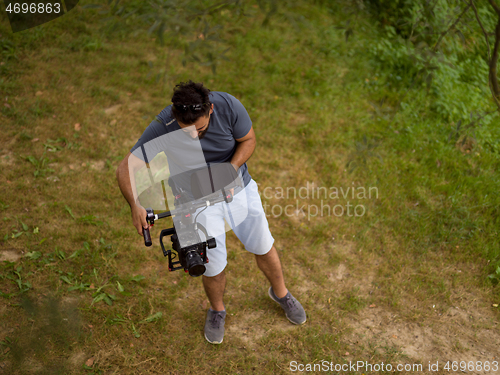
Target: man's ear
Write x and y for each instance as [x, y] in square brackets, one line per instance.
[212, 108]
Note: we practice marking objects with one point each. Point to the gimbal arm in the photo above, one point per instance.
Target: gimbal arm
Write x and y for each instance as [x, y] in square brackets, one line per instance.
[151, 217]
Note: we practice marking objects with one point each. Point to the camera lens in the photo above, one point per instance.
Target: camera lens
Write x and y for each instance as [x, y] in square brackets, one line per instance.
[194, 264]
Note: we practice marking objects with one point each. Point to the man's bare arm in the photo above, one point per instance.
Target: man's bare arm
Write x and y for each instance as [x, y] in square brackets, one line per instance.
[244, 149]
[129, 164]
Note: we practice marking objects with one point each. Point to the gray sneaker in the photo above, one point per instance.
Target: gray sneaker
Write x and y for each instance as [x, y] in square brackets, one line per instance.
[214, 326]
[293, 309]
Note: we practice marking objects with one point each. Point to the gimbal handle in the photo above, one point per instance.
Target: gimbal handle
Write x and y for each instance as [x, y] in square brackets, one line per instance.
[145, 231]
[150, 218]
[147, 237]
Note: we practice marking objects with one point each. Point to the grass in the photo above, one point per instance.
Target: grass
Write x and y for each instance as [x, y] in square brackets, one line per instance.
[429, 238]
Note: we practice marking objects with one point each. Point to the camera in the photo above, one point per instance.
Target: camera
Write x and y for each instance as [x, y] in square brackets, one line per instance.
[208, 186]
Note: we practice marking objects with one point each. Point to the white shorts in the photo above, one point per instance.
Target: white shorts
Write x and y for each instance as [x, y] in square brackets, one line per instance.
[253, 231]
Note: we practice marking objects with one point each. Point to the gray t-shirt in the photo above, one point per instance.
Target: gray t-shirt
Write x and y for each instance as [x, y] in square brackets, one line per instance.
[228, 122]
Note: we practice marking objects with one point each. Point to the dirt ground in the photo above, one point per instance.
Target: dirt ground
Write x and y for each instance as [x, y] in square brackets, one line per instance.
[467, 331]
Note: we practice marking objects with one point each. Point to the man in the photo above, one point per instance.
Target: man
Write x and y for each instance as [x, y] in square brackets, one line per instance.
[225, 133]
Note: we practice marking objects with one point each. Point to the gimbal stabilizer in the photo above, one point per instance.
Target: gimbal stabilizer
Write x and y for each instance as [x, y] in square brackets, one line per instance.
[192, 256]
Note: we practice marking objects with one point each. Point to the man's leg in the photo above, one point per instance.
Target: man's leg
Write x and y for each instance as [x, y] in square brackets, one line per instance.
[214, 288]
[216, 315]
[254, 233]
[270, 265]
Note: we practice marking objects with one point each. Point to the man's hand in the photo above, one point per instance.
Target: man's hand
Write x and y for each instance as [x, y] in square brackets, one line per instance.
[139, 218]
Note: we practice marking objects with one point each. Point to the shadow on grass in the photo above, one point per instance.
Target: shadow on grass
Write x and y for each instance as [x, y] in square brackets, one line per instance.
[43, 341]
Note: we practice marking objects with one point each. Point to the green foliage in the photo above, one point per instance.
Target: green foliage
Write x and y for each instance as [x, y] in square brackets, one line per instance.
[3, 206]
[495, 277]
[86, 219]
[40, 109]
[33, 255]
[459, 88]
[438, 45]
[57, 145]
[90, 219]
[409, 18]
[40, 165]
[70, 212]
[152, 318]
[25, 230]
[100, 295]
[85, 43]
[7, 49]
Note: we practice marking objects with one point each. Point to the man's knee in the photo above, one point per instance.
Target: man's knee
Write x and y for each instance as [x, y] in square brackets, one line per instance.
[220, 277]
[267, 254]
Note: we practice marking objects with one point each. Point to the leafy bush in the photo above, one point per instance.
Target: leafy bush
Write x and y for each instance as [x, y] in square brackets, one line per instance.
[439, 45]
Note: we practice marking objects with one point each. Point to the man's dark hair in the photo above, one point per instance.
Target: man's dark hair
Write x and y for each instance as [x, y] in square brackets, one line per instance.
[190, 102]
